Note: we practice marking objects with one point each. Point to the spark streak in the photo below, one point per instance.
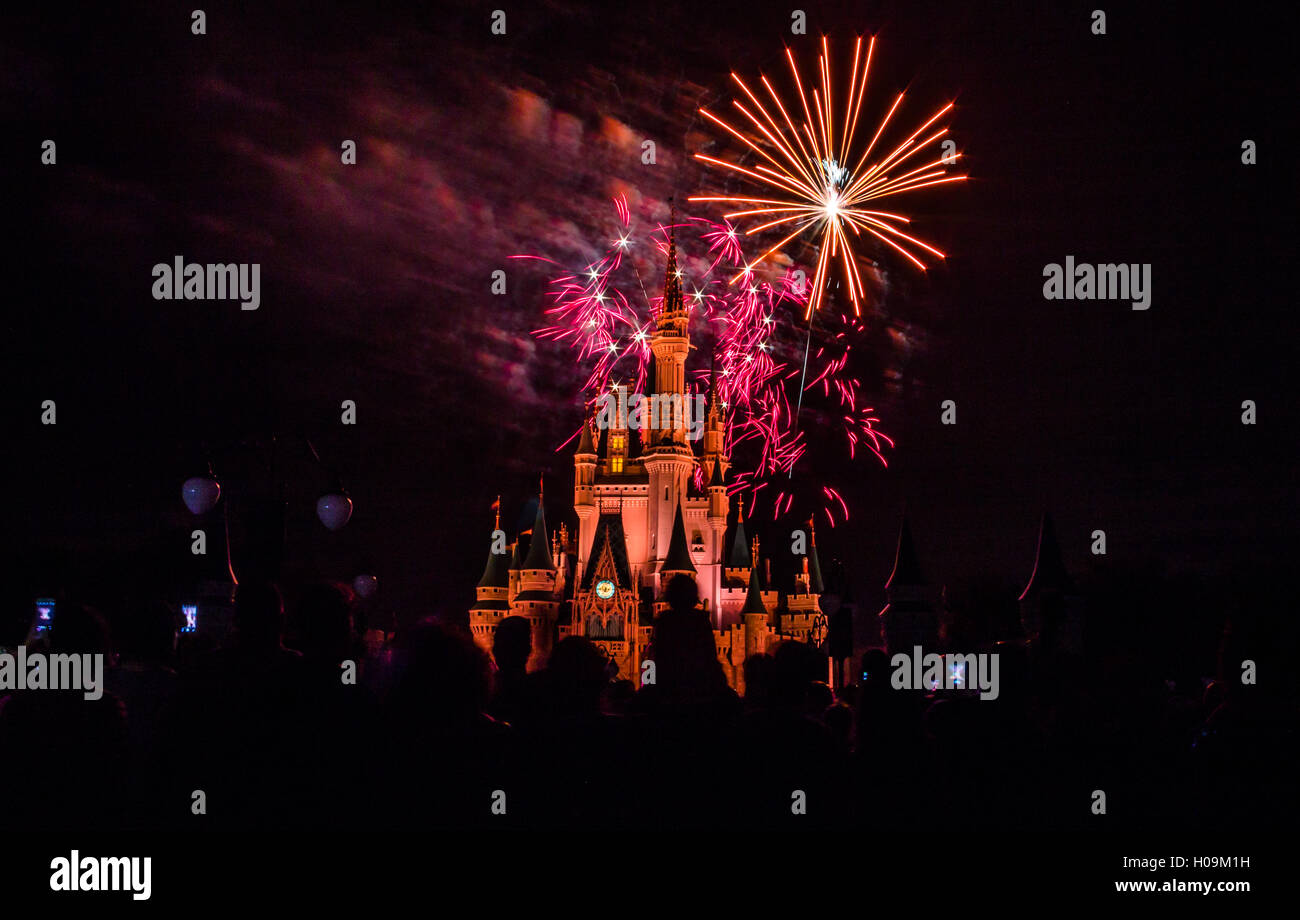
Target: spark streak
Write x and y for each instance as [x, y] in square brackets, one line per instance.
[806, 169]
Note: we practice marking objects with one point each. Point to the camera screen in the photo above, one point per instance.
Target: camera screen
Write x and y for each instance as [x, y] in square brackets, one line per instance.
[44, 613]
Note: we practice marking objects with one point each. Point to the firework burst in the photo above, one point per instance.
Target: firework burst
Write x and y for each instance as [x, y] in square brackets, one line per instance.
[822, 175]
[605, 315]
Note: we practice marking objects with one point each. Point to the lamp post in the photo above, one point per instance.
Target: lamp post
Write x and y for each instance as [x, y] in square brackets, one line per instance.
[259, 519]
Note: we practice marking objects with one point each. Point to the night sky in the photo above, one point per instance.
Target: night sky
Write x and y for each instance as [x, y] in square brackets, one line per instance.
[473, 147]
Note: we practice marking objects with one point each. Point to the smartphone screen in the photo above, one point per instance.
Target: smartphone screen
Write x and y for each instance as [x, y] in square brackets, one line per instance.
[191, 614]
[44, 614]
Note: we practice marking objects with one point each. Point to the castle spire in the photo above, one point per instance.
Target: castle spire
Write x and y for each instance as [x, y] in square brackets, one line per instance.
[716, 479]
[740, 556]
[496, 574]
[907, 568]
[1049, 570]
[673, 303]
[715, 400]
[539, 555]
[754, 596]
[815, 583]
[586, 445]
[678, 558]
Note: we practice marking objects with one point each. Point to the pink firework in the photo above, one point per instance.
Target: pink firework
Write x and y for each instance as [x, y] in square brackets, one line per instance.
[605, 314]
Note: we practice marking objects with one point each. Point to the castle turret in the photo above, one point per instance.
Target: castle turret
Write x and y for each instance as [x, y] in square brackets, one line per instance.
[717, 522]
[802, 619]
[516, 563]
[668, 458]
[754, 616]
[715, 455]
[813, 565]
[584, 487]
[909, 618]
[493, 590]
[1051, 610]
[538, 598]
[741, 560]
[678, 560]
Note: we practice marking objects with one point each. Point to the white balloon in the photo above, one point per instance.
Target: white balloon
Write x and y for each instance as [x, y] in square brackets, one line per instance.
[334, 510]
[200, 494]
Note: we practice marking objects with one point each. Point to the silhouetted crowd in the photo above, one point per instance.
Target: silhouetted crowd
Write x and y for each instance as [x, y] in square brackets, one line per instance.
[267, 733]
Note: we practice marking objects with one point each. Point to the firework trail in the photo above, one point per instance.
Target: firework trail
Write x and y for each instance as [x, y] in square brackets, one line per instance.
[604, 315]
[821, 175]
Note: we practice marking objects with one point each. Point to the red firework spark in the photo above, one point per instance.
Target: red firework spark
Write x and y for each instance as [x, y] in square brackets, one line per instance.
[604, 314]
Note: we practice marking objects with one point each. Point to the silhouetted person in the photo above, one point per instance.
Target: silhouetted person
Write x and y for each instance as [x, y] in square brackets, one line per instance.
[144, 676]
[575, 756]
[243, 731]
[323, 624]
[691, 713]
[511, 646]
[786, 747]
[687, 670]
[444, 757]
[145, 679]
[576, 677]
[65, 758]
[890, 753]
[338, 705]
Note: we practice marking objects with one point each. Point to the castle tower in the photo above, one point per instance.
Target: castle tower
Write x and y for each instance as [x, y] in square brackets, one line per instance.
[909, 618]
[538, 599]
[560, 558]
[754, 616]
[717, 521]
[715, 455]
[668, 457]
[803, 618]
[678, 560]
[813, 564]
[584, 488]
[516, 563]
[740, 561]
[1051, 611]
[493, 593]
[606, 602]
[671, 341]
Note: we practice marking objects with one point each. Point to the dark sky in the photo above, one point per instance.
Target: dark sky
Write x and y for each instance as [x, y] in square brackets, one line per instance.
[473, 147]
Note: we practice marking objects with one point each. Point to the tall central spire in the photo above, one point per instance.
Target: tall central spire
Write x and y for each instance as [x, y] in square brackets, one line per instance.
[673, 302]
[671, 341]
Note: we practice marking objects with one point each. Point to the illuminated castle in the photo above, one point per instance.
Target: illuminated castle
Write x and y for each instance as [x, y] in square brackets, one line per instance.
[651, 503]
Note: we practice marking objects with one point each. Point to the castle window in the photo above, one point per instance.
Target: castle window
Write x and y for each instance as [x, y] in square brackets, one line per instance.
[616, 464]
[616, 442]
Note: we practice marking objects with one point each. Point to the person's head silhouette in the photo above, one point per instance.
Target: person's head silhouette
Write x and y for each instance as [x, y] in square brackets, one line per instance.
[576, 676]
[512, 645]
[259, 615]
[682, 593]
